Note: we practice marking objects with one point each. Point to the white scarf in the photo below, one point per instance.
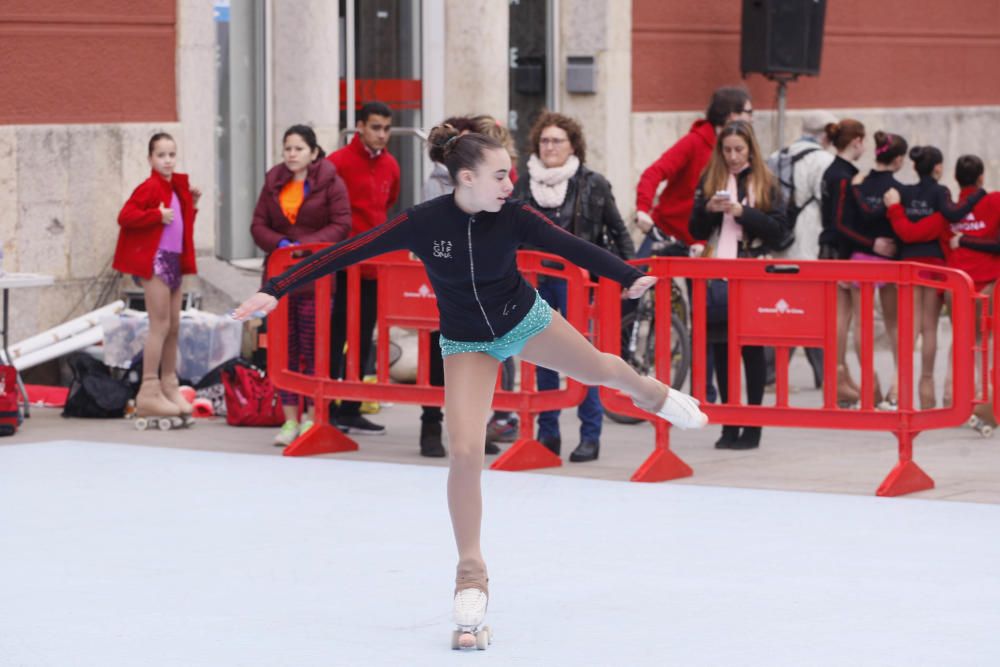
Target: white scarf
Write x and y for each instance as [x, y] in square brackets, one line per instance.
[548, 184]
[732, 232]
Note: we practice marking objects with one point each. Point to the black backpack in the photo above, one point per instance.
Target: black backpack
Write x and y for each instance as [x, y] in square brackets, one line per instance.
[94, 393]
[782, 165]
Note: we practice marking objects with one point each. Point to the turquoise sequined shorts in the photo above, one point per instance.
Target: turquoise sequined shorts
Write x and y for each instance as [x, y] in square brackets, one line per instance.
[511, 343]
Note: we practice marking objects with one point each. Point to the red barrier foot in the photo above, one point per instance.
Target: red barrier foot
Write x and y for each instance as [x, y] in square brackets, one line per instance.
[661, 466]
[906, 477]
[321, 439]
[526, 455]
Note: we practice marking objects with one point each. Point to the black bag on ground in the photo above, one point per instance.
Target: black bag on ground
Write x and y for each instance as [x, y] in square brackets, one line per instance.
[94, 393]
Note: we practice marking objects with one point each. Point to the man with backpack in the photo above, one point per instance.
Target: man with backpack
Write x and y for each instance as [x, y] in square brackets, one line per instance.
[799, 169]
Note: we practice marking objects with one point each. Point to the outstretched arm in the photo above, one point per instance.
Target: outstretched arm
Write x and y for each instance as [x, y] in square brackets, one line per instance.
[955, 212]
[393, 235]
[537, 230]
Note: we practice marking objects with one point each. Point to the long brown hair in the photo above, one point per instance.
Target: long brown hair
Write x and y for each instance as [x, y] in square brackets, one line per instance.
[717, 172]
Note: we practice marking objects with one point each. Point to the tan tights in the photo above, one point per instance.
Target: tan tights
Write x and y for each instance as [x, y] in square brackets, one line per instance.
[164, 310]
[469, 382]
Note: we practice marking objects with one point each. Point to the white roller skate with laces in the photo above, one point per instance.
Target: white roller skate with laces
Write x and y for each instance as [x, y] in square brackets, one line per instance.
[471, 597]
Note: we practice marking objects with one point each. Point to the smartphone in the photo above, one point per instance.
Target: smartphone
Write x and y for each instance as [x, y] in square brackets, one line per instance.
[722, 194]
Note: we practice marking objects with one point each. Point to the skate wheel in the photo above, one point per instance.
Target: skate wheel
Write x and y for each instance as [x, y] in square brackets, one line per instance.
[177, 422]
[973, 422]
[454, 639]
[164, 424]
[141, 423]
[466, 640]
[484, 638]
[987, 431]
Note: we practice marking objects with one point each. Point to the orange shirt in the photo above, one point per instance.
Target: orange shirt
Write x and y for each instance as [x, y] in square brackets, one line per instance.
[291, 199]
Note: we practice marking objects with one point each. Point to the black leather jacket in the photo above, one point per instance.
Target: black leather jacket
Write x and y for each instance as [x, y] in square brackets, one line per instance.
[598, 219]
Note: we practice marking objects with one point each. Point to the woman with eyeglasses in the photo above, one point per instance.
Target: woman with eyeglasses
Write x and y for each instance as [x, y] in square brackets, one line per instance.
[580, 201]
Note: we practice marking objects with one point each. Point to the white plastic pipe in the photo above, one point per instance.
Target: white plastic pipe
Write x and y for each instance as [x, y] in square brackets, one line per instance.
[64, 331]
[91, 336]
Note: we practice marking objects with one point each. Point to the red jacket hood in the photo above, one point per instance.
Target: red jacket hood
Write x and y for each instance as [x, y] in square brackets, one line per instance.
[705, 130]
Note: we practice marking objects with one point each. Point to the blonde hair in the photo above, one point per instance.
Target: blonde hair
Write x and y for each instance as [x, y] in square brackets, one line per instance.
[491, 127]
[717, 171]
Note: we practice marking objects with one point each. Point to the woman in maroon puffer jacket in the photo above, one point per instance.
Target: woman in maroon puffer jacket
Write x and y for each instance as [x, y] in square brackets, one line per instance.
[303, 201]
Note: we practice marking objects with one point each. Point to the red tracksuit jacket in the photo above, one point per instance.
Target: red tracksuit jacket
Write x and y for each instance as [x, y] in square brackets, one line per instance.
[978, 253]
[680, 166]
[141, 225]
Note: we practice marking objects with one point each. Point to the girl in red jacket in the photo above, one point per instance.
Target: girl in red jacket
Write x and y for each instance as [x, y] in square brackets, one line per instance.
[303, 201]
[156, 246]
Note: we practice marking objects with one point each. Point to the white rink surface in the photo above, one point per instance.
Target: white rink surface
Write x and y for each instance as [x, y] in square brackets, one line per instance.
[122, 555]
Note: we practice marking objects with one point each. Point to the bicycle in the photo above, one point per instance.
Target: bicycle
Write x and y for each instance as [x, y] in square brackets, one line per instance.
[639, 332]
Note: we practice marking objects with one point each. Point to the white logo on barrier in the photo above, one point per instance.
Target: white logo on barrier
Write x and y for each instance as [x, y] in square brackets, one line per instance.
[442, 249]
[781, 308]
[423, 292]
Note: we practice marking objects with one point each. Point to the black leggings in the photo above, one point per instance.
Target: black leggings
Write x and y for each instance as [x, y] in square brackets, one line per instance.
[432, 413]
[754, 368]
[369, 316]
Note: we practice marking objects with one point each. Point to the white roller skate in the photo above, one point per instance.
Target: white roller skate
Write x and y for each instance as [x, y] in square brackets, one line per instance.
[171, 391]
[682, 410]
[153, 410]
[470, 610]
[985, 429]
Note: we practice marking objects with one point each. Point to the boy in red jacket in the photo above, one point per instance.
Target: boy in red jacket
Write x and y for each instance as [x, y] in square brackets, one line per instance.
[372, 178]
[681, 166]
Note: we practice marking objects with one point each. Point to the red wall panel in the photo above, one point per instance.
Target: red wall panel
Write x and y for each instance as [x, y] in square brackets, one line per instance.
[89, 61]
[890, 53]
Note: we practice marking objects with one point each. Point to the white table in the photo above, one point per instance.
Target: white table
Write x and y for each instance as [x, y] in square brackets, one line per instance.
[9, 281]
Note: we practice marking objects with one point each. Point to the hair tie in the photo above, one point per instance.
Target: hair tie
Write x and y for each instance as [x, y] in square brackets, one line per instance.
[448, 143]
[884, 148]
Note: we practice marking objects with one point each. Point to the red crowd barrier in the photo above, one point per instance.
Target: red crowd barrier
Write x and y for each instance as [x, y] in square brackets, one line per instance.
[785, 305]
[406, 299]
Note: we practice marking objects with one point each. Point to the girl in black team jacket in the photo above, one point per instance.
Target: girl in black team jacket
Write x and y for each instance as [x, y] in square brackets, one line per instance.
[839, 236]
[468, 243]
[875, 240]
[921, 200]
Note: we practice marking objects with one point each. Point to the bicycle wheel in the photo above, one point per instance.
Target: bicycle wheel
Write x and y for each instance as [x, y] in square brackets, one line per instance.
[639, 349]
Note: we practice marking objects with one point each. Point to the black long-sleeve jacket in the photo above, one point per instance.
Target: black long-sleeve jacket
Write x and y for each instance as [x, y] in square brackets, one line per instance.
[928, 197]
[840, 211]
[471, 261]
[872, 221]
[763, 230]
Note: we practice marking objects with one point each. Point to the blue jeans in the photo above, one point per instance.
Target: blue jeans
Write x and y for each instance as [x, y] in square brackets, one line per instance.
[590, 412]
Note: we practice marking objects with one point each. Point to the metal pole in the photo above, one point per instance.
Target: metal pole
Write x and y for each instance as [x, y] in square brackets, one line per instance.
[553, 61]
[782, 100]
[350, 64]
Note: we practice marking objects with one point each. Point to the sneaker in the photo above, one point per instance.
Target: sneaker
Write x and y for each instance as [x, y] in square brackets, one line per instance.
[289, 431]
[359, 424]
[502, 430]
[306, 425]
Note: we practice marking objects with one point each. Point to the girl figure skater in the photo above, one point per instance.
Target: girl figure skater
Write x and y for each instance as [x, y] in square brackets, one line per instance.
[156, 246]
[468, 242]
